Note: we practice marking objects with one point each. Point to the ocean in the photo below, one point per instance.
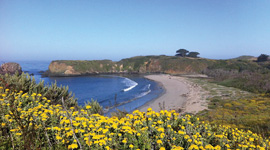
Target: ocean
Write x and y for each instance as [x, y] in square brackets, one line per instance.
[124, 92]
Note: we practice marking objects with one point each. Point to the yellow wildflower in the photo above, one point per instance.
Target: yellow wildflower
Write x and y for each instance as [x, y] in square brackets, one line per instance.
[159, 141]
[124, 141]
[72, 146]
[162, 148]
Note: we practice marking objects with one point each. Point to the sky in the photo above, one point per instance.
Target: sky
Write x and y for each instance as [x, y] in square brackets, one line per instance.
[117, 29]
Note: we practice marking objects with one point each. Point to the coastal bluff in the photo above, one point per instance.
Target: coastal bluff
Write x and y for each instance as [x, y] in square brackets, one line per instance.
[133, 65]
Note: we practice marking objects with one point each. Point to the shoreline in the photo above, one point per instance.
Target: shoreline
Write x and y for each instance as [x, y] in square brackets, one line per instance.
[179, 94]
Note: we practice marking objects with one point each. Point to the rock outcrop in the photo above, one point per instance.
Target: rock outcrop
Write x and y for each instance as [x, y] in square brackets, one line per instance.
[62, 68]
[10, 68]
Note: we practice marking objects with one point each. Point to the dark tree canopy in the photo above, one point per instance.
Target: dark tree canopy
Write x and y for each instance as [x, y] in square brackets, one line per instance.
[182, 52]
[193, 54]
[186, 53]
[263, 57]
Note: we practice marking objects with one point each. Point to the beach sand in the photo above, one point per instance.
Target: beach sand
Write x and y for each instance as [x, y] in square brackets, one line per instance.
[180, 95]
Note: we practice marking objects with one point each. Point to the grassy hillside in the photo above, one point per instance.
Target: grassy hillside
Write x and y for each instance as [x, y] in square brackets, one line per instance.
[244, 74]
[139, 64]
[235, 107]
[95, 65]
[245, 57]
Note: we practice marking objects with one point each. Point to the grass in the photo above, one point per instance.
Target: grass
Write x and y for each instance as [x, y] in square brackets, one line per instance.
[90, 66]
[235, 107]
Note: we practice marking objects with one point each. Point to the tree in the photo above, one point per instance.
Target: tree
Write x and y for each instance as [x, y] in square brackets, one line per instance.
[193, 54]
[263, 57]
[182, 52]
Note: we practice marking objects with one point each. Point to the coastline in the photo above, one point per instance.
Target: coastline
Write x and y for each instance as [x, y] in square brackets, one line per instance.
[179, 94]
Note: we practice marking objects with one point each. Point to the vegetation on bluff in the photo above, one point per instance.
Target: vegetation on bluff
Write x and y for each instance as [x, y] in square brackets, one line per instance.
[94, 66]
[139, 64]
[165, 64]
[244, 74]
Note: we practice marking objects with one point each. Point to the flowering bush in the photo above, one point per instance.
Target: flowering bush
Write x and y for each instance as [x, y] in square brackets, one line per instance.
[31, 122]
[28, 84]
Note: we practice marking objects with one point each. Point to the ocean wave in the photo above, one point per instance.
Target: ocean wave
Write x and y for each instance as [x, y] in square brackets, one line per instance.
[147, 87]
[143, 94]
[130, 83]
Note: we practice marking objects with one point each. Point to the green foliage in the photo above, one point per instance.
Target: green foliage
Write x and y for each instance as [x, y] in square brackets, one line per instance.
[239, 65]
[249, 114]
[133, 64]
[27, 84]
[184, 65]
[263, 57]
[182, 52]
[95, 107]
[245, 57]
[119, 113]
[244, 74]
[165, 64]
[90, 66]
[253, 82]
[193, 54]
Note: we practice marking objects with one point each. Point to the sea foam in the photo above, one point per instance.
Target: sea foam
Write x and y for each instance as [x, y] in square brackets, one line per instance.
[130, 83]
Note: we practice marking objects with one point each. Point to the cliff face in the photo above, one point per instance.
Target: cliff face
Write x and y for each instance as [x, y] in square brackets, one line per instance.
[56, 67]
[140, 64]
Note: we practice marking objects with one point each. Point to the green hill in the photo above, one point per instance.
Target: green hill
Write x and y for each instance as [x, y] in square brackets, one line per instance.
[139, 64]
[246, 57]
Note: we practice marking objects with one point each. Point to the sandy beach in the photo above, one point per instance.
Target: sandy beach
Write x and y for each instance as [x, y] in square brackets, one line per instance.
[180, 95]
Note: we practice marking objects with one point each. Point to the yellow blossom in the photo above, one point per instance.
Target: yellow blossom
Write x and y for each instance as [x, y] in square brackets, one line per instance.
[162, 148]
[159, 141]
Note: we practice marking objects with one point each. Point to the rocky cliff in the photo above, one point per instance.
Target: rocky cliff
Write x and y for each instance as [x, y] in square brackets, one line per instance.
[139, 64]
[10, 68]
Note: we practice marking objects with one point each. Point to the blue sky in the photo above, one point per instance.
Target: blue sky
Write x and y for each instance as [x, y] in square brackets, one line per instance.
[116, 29]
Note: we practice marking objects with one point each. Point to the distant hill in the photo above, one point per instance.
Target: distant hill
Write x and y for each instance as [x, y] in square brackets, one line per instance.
[246, 57]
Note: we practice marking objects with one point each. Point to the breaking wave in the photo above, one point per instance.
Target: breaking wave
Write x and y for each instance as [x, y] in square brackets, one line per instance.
[130, 84]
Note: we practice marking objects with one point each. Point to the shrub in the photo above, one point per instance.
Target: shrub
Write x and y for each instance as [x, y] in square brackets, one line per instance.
[95, 107]
[263, 57]
[27, 84]
[248, 114]
[30, 122]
